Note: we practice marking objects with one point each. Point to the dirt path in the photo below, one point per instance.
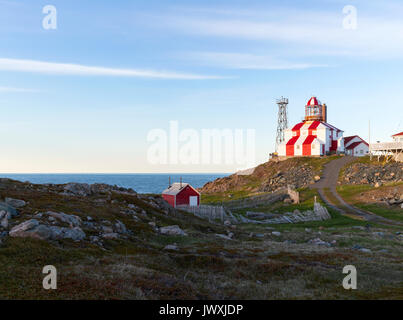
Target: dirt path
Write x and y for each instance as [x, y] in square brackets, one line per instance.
[326, 187]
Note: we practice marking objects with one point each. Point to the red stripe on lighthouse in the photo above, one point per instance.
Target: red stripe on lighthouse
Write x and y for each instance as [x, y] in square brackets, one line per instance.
[290, 146]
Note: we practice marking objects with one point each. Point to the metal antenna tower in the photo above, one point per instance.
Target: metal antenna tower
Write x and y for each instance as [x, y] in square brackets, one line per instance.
[282, 120]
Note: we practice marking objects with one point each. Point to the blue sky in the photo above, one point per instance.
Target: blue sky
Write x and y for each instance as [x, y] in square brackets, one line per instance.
[83, 97]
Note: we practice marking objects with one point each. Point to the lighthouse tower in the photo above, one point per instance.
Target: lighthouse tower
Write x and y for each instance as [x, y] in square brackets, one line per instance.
[313, 136]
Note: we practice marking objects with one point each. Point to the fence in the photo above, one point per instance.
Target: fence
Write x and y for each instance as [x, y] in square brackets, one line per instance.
[211, 213]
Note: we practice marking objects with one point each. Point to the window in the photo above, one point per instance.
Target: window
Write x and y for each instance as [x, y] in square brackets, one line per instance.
[361, 151]
[313, 146]
[297, 146]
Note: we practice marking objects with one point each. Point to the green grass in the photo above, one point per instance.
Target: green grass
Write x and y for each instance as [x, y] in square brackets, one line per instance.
[383, 211]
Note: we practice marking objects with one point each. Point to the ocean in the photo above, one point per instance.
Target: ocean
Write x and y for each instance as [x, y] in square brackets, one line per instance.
[141, 183]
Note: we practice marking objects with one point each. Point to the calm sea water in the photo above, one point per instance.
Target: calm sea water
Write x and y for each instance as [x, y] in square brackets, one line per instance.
[141, 183]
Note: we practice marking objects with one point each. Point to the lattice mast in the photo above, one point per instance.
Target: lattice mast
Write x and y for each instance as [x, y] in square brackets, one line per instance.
[282, 120]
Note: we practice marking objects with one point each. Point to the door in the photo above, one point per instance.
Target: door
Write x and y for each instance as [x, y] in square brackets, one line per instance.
[193, 201]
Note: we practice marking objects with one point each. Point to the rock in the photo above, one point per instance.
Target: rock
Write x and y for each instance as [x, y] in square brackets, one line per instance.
[365, 250]
[4, 219]
[152, 224]
[95, 239]
[276, 233]
[110, 236]
[58, 233]
[319, 242]
[15, 203]
[71, 220]
[171, 247]
[89, 218]
[78, 189]
[308, 230]
[316, 178]
[377, 184]
[31, 229]
[358, 227]
[120, 227]
[172, 231]
[106, 229]
[223, 236]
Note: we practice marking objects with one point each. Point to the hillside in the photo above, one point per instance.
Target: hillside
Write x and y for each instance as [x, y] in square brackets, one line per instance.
[112, 243]
[269, 176]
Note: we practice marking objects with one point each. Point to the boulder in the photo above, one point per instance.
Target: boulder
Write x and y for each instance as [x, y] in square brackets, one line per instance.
[71, 220]
[172, 231]
[319, 242]
[31, 229]
[34, 229]
[120, 227]
[223, 236]
[171, 247]
[110, 236]
[15, 203]
[58, 233]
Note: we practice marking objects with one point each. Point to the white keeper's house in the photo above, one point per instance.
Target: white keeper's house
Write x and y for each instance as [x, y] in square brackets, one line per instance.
[313, 136]
[356, 146]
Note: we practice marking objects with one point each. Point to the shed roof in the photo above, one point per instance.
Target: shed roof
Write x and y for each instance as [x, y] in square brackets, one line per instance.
[176, 188]
[398, 134]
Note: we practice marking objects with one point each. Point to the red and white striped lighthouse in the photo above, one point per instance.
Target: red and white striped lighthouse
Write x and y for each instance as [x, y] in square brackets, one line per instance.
[313, 136]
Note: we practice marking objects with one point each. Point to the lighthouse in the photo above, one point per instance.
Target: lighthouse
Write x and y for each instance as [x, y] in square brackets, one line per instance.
[313, 136]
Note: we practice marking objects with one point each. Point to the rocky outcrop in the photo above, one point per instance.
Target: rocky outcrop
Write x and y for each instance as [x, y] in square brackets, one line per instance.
[268, 177]
[34, 229]
[375, 175]
[85, 190]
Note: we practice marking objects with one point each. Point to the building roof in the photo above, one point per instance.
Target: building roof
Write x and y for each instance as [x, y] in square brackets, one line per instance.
[176, 188]
[398, 134]
[355, 144]
[348, 139]
[313, 102]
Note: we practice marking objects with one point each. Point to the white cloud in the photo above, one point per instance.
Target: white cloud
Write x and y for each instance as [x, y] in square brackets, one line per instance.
[306, 32]
[83, 70]
[247, 61]
[12, 89]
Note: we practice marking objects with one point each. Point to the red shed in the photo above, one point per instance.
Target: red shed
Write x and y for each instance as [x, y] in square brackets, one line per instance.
[181, 194]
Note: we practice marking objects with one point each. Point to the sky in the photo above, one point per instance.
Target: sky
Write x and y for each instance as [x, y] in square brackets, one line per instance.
[83, 97]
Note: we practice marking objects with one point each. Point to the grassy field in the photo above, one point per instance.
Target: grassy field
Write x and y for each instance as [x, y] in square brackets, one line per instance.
[350, 194]
[254, 264]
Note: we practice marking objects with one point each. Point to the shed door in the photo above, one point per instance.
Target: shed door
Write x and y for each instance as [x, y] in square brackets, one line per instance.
[193, 201]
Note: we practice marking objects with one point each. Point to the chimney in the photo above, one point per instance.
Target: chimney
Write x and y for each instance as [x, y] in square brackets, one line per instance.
[324, 110]
[181, 182]
[169, 183]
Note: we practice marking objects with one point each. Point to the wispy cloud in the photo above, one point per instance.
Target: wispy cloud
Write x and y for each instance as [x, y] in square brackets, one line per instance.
[13, 89]
[308, 32]
[247, 61]
[83, 70]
